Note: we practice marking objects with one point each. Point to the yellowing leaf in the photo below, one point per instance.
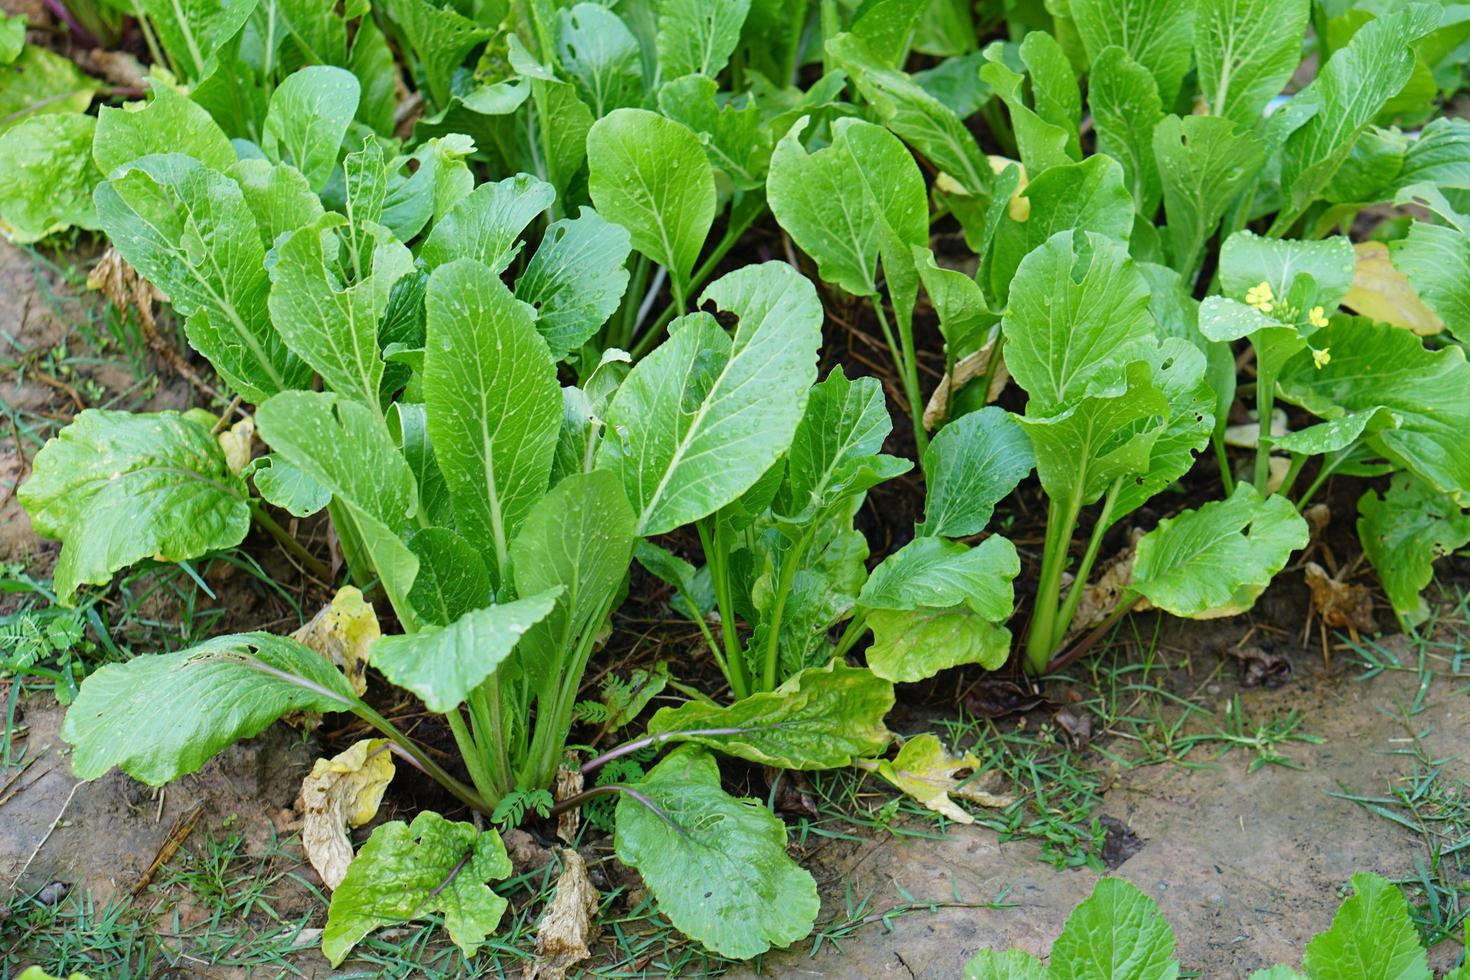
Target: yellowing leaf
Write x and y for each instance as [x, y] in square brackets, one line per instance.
[343, 632]
[340, 793]
[1019, 207]
[965, 370]
[1383, 293]
[567, 927]
[236, 442]
[925, 770]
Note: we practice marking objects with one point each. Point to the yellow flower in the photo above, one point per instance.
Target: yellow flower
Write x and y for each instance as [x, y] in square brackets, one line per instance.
[1316, 317]
[1322, 357]
[1260, 296]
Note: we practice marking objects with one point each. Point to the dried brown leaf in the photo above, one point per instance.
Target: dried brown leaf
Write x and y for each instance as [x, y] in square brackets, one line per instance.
[967, 369]
[569, 926]
[341, 793]
[1341, 605]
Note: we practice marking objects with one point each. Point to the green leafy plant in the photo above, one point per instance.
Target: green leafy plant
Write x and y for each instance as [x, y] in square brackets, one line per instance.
[1119, 934]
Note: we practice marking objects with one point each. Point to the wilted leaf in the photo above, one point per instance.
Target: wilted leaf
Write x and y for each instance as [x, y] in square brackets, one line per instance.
[925, 770]
[1381, 292]
[340, 793]
[235, 442]
[343, 632]
[567, 927]
[1342, 605]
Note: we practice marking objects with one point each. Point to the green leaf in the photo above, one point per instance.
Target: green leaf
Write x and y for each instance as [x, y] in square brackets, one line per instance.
[49, 177]
[440, 37]
[576, 279]
[650, 175]
[41, 82]
[1204, 162]
[932, 572]
[1125, 109]
[1374, 366]
[494, 407]
[288, 487]
[1010, 964]
[1246, 52]
[486, 224]
[452, 579]
[736, 137]
[601, 55]
[1216, 560]
[849, 202]
[164, 715]
[1371, 936]
[345, 446]
[441, 181]
[698, 35]
[1436, 261]
[277, 194]
[965, 320]
[308, 117]
[330, 321]
[699, 420]
[1053, 85]
[914, 115]
[1348, 92]
[1042, 145]
[117, 487]
[1403, 533]
[442, 665]
[191, 31]
[835, 451]
[1078, 315]
[577, 540]
[373, 63]
[821, 718]
[887, 26]
[1180, 374]
[1116, 933]
[1083, 197]
[716, 864]
[187, 230]
[1155, 34]
[911, 645]
[1247, 259]
[969, 466]
[12, 37]
[405, 871]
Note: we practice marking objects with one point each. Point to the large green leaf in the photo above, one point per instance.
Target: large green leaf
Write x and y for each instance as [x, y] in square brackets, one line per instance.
[442, 665]
[169, 122]
[934, 573]
[1374, 366]
[1088, 197]
[1204, 162]
[1155, 33]
[835, 451]
[969, 466]
[913, 644]
[579, 539]
[405, 871]
[1041, 144]
[452, 579]
[650, 175]
[736, 136]
[1435, 259]
[1246, 52]
[191, 31]
[117, 487]
[1078, 315]
[41, 82]
[1180, 374]
[698, 35]
[187, 229]
[1117, 934]
[345, 446]
[1125, 109]
[716, 864]
[1403, 533]
[439, 36]
[917, 117]
[1010, 964]
[1371, 936]
[327, 302]
[1054, 90]
[486, 224]
[1216, 560]
[162, 716]
[1247, 259]
[494, 407]
[49, 177]
[821, 718]
[1348, 92]
[700, 419]
[848, 202]
[277, 194]
[308, 117]
[576, 279]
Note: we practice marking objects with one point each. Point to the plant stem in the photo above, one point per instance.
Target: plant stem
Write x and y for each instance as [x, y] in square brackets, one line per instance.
[789, 565]
[853, 632]
[1077, 649]
[628, 748]
[470, 752]
[572, 802]
[1084, 570]
[1227, 479]
[1329, 467]
[1265, 405]
[287, 541]
[714, 557]
[637, 284]
[902, 352]
[1059, 529]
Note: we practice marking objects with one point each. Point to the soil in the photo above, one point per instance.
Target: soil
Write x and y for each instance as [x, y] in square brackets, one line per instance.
[1247, 866]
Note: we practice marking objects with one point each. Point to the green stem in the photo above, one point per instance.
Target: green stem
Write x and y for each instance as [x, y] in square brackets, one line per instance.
[460, 791]
[1265, 405]
[904, 359]
[1059, 529]
[1298, 460]
[1227, 479]
[1329, 467]
[714, 557]
[789, 565]
[853, 632]
[287, 541]
[632, 299]
[473, 759]
[1084, 570]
